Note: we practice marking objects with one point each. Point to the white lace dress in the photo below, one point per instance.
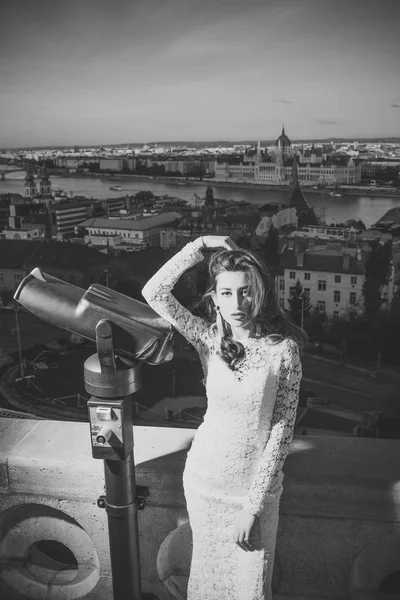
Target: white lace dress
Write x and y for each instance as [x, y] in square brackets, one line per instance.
[236, 458]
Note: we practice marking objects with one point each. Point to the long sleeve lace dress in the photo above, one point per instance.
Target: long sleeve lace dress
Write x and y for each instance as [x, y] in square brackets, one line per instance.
[236, 458]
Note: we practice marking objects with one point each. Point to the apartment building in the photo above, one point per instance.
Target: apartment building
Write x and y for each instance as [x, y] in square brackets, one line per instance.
[26, 222]
[14, 254]
[331, 276]
[117, 164]
[111, 164]
[138, 232]
[64, 216]
[109, 206]
[27, 234]
[334, 233]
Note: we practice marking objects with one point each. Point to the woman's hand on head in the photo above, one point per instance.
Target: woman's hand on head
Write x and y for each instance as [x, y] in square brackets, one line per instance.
[216, 241]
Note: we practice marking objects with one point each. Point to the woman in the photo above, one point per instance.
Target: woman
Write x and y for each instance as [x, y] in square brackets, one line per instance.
[232, 478]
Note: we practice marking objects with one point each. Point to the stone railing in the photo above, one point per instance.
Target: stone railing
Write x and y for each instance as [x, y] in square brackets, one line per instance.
[338, 537]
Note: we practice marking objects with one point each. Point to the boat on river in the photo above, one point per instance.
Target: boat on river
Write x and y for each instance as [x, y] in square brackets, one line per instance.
[116, 188]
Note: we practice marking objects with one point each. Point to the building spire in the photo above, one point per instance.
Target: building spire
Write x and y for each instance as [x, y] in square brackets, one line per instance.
[295, 172]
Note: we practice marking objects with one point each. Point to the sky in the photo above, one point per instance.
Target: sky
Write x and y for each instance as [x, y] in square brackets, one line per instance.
[89, 72]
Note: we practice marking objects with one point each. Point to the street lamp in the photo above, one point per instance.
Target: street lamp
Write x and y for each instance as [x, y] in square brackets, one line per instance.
[301, 296]
[21, 362]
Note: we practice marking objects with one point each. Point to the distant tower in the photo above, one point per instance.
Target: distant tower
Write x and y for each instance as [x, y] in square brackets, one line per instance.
[284, 145]
[258, 155]
[45, 186]
[30, 184]
[295, 172]
[305, 214]
[313, 154]
[279, 168]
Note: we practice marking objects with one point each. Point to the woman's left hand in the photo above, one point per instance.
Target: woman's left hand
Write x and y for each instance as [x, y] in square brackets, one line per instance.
[242, 530]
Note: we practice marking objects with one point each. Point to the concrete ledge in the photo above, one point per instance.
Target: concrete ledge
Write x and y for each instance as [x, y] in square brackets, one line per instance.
[342, 477]
[340, 495]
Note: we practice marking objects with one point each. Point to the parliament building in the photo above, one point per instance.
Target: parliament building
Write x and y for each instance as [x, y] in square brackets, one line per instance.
[276, 168]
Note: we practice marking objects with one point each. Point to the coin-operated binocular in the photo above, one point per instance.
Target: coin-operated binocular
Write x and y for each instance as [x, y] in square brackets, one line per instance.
[127, 332]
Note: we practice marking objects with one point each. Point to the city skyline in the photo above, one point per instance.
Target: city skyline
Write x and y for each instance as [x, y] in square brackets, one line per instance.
[103, 72]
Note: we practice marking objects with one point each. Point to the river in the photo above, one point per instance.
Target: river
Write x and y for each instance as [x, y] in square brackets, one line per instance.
[331, 209]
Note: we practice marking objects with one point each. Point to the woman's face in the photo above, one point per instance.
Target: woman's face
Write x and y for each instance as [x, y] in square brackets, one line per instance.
[231, 290]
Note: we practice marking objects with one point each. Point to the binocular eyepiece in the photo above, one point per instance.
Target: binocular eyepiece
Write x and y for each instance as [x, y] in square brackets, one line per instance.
[138, 331]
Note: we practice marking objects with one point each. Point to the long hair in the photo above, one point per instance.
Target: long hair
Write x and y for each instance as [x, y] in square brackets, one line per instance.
[261, 307]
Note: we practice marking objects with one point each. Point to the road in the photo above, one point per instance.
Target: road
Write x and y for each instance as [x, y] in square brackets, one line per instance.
[32, 331]
[347, 388]
[341, 386]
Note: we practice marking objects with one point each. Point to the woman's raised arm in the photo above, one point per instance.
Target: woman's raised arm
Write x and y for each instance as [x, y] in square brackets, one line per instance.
[157, 293]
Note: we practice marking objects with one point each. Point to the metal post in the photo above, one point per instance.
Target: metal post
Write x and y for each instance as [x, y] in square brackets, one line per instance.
[302, 309]
[173, 383]
[111, 383]
[21, 362]
[123, 528]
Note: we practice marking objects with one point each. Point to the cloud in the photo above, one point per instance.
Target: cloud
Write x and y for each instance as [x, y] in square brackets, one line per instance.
[284, 101]
[395, 105]
[326, 122]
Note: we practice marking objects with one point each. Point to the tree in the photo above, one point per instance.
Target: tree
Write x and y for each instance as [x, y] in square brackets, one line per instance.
[315, 323]
[243, 241]
[356, 224]
[394, 313]
[391, 348]
[48, 163]
[209, 201]
[94, 167]
[378, 269]
[119, 277]
[271, 249]
[144, 196]
[6, 296]
[299, 305]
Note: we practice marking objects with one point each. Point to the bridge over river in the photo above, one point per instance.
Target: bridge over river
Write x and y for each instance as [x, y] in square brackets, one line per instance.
[34, 169]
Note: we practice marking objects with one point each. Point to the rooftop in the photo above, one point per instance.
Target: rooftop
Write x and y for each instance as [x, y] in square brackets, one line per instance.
[296, 198]
[393, 214]
[65, 255]
[321, 258]
[17, 254]
[131, 224]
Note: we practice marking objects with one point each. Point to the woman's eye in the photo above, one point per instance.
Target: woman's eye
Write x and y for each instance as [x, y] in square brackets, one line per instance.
[245, 293]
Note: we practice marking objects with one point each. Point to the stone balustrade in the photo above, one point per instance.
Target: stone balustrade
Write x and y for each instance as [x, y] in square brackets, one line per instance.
[338, 537]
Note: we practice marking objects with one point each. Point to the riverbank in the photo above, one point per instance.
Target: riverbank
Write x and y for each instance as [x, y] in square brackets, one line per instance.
[355, 205]
[186, 182]
[359, 191]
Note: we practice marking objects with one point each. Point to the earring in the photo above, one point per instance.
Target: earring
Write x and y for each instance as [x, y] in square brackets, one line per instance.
[220, 325]
[258, 329]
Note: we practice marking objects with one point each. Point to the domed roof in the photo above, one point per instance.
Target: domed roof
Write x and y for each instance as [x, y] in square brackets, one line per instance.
[283, 139]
